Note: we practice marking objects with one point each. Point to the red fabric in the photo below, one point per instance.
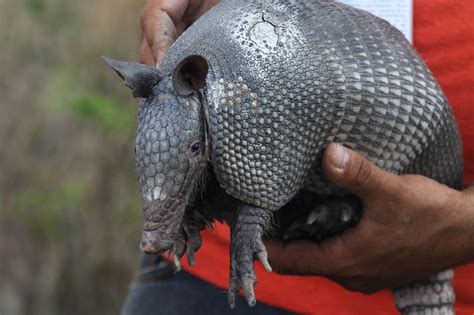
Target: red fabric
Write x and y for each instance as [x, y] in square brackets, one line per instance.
[444, 36]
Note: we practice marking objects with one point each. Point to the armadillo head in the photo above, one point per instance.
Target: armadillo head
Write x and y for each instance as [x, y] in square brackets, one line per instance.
[171, 148]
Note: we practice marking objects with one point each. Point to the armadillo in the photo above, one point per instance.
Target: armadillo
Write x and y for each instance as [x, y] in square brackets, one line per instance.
[233, 124]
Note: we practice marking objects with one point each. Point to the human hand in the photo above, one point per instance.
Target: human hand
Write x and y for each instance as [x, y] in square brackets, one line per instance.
[412, 227]
[162, 21]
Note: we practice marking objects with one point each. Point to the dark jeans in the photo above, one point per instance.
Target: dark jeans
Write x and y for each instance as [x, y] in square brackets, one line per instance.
[159, 290]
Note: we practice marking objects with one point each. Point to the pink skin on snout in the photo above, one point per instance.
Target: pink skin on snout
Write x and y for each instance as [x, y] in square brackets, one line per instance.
[152, 243]
[162, 223]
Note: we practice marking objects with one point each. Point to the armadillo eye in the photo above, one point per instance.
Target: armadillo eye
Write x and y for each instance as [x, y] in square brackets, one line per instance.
[196, 147]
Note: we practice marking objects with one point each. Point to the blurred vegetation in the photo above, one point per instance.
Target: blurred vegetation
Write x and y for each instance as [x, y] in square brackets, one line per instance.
[70, 215]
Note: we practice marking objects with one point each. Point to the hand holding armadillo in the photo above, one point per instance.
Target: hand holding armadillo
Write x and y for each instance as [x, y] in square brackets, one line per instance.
[235, 121]
[412, 227]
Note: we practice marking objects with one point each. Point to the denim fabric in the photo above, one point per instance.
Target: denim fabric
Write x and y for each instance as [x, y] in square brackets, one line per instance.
[159, 290]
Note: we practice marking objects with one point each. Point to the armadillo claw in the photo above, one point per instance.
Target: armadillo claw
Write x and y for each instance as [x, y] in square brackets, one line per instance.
[188, 240]
[245, 246]
[194, 243]
[263, 257]
[190, 256]
[179, 247]
[247, 283]
[231, 298]
[243, 274]
[176, 263]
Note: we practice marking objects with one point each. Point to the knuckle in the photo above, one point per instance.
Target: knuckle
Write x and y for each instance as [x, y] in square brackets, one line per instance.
[363, 173]
[142, 57]
[143, 19]
[397, 193]
[393, 197]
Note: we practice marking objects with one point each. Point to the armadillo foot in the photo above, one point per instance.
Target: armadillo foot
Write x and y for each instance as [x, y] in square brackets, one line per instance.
[247, 244]
[330, 216]
[187, 241]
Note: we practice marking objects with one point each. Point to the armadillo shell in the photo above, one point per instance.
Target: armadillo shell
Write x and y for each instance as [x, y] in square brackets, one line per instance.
[288, 77]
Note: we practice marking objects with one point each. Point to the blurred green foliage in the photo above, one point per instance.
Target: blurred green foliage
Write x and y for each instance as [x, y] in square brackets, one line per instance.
[104, 111]
[70, 212]
[43, 210]
[51, 15]
[36, 6]
[89, 103]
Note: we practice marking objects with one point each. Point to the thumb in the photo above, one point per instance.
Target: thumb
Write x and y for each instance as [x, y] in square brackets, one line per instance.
[350, 170]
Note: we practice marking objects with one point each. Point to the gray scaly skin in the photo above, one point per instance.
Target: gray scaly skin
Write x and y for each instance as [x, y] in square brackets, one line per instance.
[234, 123]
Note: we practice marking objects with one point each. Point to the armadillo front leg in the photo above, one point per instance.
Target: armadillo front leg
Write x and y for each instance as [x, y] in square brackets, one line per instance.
[188, 240]
[431, 296]
[247, 230]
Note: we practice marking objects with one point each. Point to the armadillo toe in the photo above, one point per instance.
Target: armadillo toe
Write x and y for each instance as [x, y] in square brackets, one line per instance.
[246, 245]
[330, 216]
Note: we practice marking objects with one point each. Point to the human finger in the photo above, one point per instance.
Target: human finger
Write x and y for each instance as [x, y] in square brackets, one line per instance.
[159, 20]
[145, 55]
[349, 169]
[305, 257]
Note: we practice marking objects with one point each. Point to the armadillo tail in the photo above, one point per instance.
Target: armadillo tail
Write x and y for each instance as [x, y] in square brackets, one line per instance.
[433, 296]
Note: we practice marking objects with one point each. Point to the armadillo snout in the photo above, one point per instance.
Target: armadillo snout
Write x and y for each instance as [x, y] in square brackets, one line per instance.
[152, 243]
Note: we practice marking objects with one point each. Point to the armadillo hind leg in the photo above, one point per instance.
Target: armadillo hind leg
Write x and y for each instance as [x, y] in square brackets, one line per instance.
[246, 243]
[433, 296]
[330, 216]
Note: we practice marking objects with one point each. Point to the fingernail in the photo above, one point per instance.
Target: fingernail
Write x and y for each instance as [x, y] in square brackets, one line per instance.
[340, 157]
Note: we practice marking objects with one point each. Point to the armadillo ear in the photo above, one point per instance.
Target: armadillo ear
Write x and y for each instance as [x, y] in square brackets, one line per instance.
[190, 75]
[139, 78]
